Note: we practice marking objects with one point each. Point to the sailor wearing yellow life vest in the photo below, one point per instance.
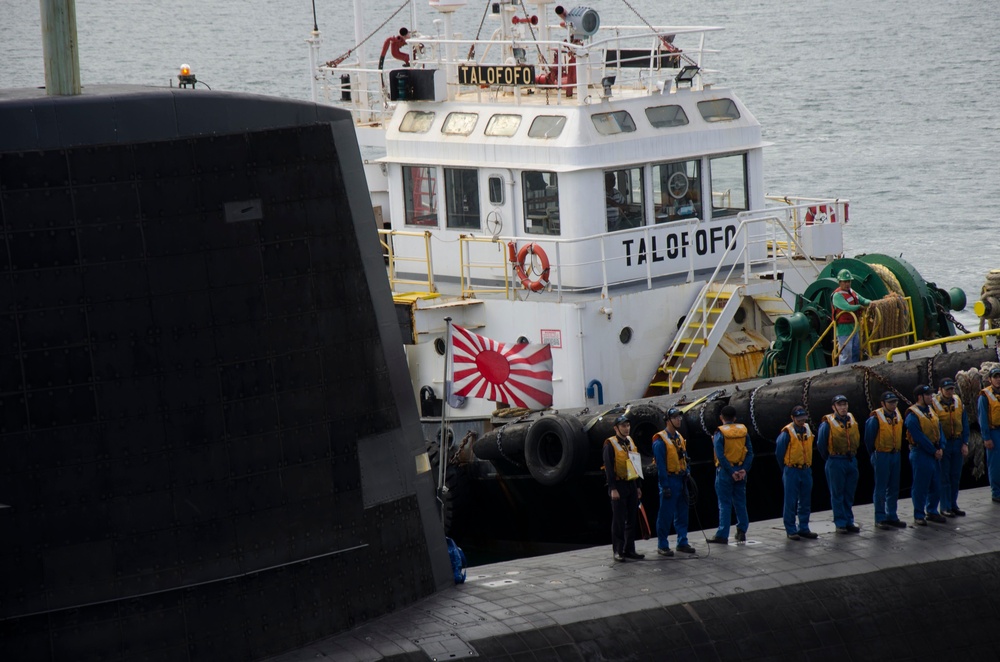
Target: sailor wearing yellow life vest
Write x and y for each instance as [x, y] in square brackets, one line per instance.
[623, 470]
[955, 424]
[837, 441]
[884, 439]
[670, 453]
[733, 457]
[988, 408]
[927, 443]
[794, 455]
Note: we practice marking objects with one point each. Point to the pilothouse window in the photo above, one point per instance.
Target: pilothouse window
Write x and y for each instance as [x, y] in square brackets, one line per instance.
[420, 195]
[719, 110]
[665, 117]
[623, 199]
[608, 124]
[541, 202]
[459, 124]
[461, 187]
[503, 125]
[416, 121]
[677, 190]
[547, 126]
[729, 185]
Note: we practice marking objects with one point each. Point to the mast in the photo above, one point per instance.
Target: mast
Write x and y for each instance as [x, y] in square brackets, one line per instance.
[59, 45]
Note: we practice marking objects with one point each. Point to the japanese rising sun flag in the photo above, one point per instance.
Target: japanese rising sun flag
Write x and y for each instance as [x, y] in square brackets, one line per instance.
[519, 374]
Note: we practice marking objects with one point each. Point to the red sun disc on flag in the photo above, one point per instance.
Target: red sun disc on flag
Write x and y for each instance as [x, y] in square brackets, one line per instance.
[493, 366]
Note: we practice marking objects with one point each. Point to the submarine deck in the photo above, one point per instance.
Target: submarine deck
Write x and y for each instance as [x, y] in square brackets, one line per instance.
[918, 593]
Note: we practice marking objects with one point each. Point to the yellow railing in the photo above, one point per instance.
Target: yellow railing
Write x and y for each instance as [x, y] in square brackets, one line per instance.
[385, 238]
[873, 339]
[868, 336]
[941, 341]
[465, 243]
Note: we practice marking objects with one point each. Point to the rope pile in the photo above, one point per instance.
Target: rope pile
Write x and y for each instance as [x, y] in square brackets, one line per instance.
[968, 384]
[991, 289]
[888, 316]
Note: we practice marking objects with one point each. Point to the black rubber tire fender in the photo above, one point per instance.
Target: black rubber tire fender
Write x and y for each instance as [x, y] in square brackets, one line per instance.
[555, 449]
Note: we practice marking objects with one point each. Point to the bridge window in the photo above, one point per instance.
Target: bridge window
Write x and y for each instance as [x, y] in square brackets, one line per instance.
[416, 121]
[503, 125]
[623, 199]
[496, 190]
[729, 185]
[677, 190]
[459, 124]
[719, 110]
[541, 202]
[608, 124]
[547, 126]
[461, 186]
[665, 117]
[420, 195]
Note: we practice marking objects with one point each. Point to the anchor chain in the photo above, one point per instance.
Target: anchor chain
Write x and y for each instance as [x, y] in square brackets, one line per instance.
[882, 380]
[805, 395]
[503, 454]
[951, 318]
[701, 412]
[753, 412]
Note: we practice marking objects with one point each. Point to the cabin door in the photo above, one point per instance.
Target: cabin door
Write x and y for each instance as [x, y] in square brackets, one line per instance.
[498, 207]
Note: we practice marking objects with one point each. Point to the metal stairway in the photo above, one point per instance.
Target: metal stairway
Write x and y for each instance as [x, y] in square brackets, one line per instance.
[703, 329]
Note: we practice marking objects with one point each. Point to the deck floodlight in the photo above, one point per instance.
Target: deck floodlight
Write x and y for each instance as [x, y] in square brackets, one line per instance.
[686, 75]
[582, 22]
[606, 83]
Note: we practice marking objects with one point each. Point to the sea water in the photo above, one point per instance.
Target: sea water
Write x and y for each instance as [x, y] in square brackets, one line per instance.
[893, 105]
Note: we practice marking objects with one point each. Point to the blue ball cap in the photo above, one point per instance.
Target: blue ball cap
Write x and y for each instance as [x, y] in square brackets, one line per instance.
[799, 411]
[947, 383]
[674, 411]
[922, 389]
[995, 371]
[621, 419]
[839, 398]
[889, 396]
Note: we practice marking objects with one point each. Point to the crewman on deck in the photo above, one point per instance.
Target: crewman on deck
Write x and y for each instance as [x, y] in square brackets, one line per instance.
[623, 470]
[846, 301]
[837, 441]
[927, 443]
[733, 457]
[988, 410]
[670, 453]
[884, 439]
[955, 425]
[794, 455]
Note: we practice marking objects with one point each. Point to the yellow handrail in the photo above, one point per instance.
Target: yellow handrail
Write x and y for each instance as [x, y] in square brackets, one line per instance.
[467, 265]
[835, 354]
[941, 341]
[385, 236]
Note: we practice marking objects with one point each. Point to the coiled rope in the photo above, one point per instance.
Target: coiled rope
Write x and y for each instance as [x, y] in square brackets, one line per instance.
[968, 384]
[991, 289]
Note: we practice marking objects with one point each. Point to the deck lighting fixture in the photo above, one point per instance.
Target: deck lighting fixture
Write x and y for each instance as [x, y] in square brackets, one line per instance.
[686, 75]
[606, 83]
[185, 77]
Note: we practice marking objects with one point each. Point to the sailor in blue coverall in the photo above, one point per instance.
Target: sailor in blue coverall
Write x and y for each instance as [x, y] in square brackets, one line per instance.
[923, 430]
[794, 455]
[733, 457]
[837, 441]
[988, 409]
[955, 425]
[884, 439]
[670, 453]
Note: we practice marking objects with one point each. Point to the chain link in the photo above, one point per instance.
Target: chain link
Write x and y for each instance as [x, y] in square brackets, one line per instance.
[805, 395]
[951, 318]
[500, 442]
[701, 412]
[882, 380]
[930, 371]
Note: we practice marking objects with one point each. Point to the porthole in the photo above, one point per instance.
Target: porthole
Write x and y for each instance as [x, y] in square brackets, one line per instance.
[740, 316]
[625, 335]
[439, 346]
[521, 340]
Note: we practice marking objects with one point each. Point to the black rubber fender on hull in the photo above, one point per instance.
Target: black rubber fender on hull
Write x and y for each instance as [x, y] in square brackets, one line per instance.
[555, 449]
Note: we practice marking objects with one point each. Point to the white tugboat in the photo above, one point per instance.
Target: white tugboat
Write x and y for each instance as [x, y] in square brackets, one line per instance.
[589, 186]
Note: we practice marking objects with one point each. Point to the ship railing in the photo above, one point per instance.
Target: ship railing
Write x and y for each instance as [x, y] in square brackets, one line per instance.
[394, 260]
[943, 343]
[808, 212]
[869, 336]
[470, 265]
[632, 56]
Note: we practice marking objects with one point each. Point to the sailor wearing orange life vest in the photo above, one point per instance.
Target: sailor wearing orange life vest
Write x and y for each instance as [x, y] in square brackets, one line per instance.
[733, 457]
[988, 410]
[955, 424]
[846, 301]
[883, 439]
[670, 453]
[794, 455]
[927, 443]
[622, 468]
[837, 441]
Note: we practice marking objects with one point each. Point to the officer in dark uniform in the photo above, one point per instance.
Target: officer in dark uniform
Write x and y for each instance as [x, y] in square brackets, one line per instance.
[622, 468]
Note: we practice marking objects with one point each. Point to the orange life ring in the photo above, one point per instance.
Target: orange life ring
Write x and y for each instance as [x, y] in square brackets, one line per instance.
[523, 267]
[820, 213]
